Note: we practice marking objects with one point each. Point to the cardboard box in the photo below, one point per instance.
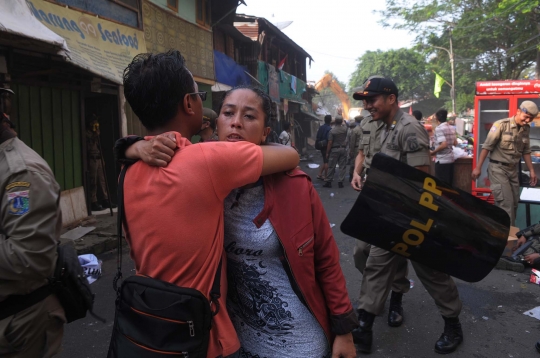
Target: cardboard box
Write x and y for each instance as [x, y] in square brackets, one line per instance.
[512, 239]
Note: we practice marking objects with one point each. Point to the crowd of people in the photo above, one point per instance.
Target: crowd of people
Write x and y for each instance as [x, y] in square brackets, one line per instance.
[235, 201]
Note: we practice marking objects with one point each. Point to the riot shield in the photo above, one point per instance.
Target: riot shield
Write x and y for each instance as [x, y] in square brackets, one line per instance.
[411, 213]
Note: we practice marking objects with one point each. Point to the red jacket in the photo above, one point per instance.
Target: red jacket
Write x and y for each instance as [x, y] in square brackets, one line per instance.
[296, 212]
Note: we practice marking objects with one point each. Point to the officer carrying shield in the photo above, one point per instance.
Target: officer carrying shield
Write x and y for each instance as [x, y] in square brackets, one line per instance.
[402, 138]
[31, 317]
[508, 141]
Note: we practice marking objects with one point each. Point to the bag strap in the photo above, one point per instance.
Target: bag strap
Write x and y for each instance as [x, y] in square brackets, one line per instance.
[119, 221]
[215, 292]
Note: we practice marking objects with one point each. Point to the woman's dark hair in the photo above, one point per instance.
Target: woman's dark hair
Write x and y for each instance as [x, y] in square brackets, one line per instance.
[268, 106]
[441, 115]
[286, 125]
[154, 86]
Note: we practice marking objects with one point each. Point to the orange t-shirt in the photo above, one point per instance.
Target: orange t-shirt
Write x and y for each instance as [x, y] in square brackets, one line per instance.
[174, 219]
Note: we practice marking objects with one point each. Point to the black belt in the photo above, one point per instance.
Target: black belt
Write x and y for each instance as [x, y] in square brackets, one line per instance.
[339, 146]
[17, 303]
[501, 163]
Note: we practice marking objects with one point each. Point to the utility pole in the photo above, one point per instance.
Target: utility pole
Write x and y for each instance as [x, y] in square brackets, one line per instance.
[451, 55]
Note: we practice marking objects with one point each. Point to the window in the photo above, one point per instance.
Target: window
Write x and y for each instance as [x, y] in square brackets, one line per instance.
[173, 5]
[203, 12]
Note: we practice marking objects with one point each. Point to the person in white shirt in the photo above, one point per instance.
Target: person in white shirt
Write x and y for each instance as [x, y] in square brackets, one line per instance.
[285, 136]
[445, 140]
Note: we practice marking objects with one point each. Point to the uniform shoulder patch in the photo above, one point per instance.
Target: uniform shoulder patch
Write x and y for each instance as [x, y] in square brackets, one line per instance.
[18, 202]
[17, 184]
[493, 127]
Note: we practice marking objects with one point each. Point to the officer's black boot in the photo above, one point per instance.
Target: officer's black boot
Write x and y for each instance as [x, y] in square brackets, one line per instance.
[537, 346]
[395, 314]
[363, 335]
[452, 336]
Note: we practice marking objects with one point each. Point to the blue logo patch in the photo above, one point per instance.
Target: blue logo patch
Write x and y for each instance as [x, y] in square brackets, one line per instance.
[19, 202]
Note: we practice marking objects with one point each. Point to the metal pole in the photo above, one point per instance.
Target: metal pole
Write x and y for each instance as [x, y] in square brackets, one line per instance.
[452, 65]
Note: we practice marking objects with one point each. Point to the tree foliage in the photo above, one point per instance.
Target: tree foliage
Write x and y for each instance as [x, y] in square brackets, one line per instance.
[407, 67]
[492, 39]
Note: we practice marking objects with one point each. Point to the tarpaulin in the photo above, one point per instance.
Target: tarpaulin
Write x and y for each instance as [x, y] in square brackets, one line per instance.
[228, 71]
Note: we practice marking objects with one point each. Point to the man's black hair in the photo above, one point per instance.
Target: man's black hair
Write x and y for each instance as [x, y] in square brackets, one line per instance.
[418, 115]
[154, 86]
[268, 106]
[441, 115]
[327, 119]
[286, 125]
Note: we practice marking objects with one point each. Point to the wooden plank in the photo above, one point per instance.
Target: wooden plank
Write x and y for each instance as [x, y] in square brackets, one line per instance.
[35, 120]
[23, 129]
[58, 138]
[47, 125]
[77, 139]
[67, 138]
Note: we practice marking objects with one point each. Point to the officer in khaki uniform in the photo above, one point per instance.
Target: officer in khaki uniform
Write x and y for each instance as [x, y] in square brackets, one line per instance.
[336, 152]
[354, 143]
[31, 318]
[508, 141]
[370, 144]
[402, 138]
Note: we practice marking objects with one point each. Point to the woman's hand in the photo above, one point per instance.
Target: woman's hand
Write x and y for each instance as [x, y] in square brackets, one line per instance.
[344, 347]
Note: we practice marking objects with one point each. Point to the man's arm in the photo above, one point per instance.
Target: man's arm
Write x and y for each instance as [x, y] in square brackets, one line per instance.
[477, 171]
[356, 182]
[329, 148]
[31, 221]
[532, 175]
[439, 148]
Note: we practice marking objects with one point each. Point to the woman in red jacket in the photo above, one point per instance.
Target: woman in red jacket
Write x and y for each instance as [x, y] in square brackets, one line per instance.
[286, 291]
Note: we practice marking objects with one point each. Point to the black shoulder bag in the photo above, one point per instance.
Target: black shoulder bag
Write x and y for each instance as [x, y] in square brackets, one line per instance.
[155, 318]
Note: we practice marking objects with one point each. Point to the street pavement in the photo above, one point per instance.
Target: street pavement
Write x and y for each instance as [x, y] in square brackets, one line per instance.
[492, 317]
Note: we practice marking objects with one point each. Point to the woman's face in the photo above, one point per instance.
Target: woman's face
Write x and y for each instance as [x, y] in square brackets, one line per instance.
[242, 118]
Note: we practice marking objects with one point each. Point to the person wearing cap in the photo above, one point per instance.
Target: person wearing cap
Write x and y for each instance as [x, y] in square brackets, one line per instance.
[507, 141]
[369, 146]
[336, 152]
[402, 138]
[31, 317]
[208, 127]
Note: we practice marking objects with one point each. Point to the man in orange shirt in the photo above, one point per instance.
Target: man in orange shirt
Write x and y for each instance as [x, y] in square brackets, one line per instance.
[165, 207]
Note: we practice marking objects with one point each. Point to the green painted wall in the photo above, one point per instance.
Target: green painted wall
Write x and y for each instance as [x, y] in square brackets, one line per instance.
[49, 121]
[208, 89]
[186, 8]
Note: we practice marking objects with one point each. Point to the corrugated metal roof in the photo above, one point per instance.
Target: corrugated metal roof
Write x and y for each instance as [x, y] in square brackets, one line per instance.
[250, 30]
[249, 23]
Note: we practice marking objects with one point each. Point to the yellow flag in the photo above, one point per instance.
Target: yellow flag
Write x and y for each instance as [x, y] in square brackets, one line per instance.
[439, 81]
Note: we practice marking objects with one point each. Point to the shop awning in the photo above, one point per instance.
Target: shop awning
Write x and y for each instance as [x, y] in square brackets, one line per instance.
[21, 29]
[310, 115]
[102, 47]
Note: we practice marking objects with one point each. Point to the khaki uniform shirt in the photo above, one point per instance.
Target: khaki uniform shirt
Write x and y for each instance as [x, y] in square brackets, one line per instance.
[338, 135]
[406, 140]
[371, 144]
[354, 139]
[30, 219]
[507, 142]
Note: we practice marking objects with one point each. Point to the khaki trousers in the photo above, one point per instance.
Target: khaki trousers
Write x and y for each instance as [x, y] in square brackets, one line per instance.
[380, 272]
[35, 332]
[505, 188]
[401, 283]
[337, 156]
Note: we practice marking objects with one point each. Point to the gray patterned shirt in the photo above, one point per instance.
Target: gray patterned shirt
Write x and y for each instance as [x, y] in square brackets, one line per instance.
[268, 316]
